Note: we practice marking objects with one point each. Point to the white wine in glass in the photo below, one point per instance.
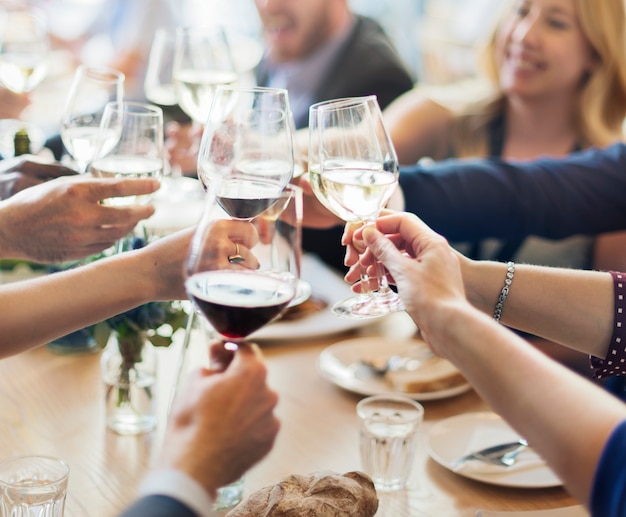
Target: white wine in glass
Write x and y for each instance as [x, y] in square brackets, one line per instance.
[24, 49]
[353, 172]
[159, 81]
[138, 148]
[92, 89]
[202, 62]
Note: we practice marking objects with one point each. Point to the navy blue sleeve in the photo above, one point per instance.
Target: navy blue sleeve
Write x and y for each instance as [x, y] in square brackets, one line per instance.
[157, 506]
[468, 200]
[608, 495]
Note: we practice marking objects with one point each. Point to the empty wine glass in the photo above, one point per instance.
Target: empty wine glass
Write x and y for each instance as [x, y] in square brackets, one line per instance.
[129, 145]
[260, 278]
[24, 48]
[92, 89]
[353, 172]
[247, 148]
[202, 62]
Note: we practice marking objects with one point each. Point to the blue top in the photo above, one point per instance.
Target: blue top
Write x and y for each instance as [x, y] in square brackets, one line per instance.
[608, 495]
[468, 200]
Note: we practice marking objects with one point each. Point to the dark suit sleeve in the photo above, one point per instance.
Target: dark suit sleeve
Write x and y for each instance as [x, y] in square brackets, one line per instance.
[584, 193]
[157, 506]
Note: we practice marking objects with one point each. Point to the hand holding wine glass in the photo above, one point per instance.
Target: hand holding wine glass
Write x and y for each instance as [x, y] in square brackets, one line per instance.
[129, 144]
[353, 172]
[92, 89]
[261, 276]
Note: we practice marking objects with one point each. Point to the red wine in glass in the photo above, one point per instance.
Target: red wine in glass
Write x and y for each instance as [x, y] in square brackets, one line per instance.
[238, 302]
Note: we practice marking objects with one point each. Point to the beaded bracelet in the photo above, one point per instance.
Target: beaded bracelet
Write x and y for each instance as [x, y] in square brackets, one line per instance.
[508, 280]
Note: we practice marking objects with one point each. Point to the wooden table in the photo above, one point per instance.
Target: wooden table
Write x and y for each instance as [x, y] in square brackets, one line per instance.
[51, 404]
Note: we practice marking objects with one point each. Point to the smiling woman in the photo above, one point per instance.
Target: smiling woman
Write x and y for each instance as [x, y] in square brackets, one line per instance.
[555, 74]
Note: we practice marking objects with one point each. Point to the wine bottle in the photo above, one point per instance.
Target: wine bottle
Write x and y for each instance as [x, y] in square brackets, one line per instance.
[21, 142]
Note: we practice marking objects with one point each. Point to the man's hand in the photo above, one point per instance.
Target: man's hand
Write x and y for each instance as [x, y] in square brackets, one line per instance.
[64, 219]
[224, 422]
[25, 171]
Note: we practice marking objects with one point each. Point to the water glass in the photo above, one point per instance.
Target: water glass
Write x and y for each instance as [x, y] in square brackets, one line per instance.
[388, 438]
[33, 486]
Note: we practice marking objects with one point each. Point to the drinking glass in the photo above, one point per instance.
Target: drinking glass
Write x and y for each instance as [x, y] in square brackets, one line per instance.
[33, 485]
[254, 286]
[129, 145]
[24, 49]
[247, 144]
[159, 80]
[92, 89]
[388, 438]
[353, 172]
[202, 61]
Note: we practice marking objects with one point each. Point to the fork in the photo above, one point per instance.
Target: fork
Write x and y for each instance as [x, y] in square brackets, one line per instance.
[504, 455]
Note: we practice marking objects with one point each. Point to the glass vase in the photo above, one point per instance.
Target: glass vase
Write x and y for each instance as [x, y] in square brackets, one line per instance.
[129, 372]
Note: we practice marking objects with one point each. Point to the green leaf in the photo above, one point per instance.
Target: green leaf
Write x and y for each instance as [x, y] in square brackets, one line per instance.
[101, 333]
[158, 340]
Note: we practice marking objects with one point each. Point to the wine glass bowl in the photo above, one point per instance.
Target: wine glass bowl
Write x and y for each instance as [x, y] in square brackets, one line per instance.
[129, 144]
[91, 90]
[238, 297]
[159, 80]
[247, 148]
[353, 171]
[202, 62]
[24, 49]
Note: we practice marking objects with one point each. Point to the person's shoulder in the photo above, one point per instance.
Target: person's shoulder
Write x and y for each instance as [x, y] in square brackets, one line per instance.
[369, 53]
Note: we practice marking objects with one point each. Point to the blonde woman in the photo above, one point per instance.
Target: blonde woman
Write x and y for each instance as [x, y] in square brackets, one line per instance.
[557, 83]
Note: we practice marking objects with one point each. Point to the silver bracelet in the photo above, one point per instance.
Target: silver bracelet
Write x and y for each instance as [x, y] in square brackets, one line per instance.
[508, 280]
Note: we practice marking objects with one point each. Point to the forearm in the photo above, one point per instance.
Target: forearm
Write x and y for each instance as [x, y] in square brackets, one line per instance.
[564, 417]
[571, 307]
[37, 311]
[553, 198]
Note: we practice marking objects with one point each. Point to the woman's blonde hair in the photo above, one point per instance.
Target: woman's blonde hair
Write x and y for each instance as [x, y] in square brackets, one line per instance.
[601, 106]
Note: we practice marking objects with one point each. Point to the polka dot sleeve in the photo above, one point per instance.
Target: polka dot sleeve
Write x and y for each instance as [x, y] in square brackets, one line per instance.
[615, 361]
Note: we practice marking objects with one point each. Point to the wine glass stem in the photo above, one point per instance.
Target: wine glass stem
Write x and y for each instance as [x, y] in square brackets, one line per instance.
[380, 276]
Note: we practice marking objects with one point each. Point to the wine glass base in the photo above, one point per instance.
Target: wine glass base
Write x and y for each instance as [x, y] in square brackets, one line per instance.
[362, 307]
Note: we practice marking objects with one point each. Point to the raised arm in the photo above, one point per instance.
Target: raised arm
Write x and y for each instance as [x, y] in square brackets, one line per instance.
[582, 193]
[571, 307]
[36, 311]
[567, 419]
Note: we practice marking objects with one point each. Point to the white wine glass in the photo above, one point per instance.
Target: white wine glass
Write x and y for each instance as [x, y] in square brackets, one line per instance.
[24, 49]
[353, 172]
[129, 145]
[159, 79]
[91, 90]
[246, 150]
[202, 62]
[256, 284]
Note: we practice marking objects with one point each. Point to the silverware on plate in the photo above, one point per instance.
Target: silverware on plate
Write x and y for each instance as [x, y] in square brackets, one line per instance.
[504, 454]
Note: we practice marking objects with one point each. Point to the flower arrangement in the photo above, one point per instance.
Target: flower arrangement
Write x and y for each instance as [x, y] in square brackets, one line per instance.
[156, 321]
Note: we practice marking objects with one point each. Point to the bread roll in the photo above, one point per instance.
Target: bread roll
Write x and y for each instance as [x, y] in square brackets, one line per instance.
[321, 494]
[434, 374]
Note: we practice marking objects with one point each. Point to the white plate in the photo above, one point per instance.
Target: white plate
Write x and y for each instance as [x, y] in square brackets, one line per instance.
[339, 363]
[453, 437]
[568, 511]
[327, 285]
